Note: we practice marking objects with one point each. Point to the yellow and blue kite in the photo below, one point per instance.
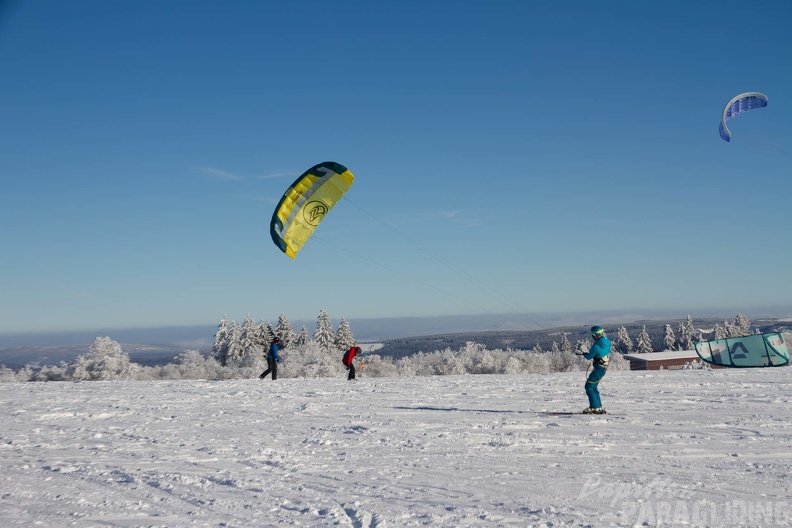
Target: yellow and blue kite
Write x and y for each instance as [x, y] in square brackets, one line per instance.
[306, 202]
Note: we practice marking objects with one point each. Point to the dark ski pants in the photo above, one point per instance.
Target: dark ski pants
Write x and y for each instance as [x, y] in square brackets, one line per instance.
[351, 369]
[272, 366]
[592, 386]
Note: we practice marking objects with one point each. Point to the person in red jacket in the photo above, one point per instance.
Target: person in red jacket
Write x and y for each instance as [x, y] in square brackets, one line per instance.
[349, 355]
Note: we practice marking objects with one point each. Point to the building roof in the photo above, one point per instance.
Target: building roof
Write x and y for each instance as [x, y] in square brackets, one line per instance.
[664, 356]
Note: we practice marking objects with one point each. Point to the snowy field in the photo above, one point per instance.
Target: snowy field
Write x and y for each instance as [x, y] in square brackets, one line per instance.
[698, 448]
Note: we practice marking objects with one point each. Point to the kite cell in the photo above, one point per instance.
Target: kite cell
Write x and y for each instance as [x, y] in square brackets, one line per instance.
[758, 350]
[305, 204]
[739, 104]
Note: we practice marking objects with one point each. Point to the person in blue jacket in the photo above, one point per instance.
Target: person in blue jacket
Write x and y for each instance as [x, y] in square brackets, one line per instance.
[599, 352]
[272, 359]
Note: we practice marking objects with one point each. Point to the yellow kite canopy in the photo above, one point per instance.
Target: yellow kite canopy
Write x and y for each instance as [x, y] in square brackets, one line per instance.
[306, 202]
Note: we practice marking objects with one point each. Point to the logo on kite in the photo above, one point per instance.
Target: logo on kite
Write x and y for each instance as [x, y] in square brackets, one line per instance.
[306, 203]
[314, 212]
[739, 104]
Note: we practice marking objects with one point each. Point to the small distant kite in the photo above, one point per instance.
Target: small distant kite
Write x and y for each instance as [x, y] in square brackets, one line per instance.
[306, 202]
[739, 104]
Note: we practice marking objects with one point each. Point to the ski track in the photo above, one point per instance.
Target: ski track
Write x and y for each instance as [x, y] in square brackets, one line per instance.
[439, 451]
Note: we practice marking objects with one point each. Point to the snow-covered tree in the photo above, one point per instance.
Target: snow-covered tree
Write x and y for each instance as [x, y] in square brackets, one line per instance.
[554, 349]
[63, 372]
[221, 340]
[681, 340]
[7, 375]
[27, 373]
[191, 364]
[268, 333]
[537, 349]
[303, 337]
[324, 335]
[687, 334]
[309, 361]
[104, 361]
[284, 330]
[644, 343]
[720, 331]
[235, 351]
[623, 342]
[250, 338]
[344, 339]
[265, 334]
[730, 328]
[583, 346]
[743, 325]
[566, 346]
[669, 341]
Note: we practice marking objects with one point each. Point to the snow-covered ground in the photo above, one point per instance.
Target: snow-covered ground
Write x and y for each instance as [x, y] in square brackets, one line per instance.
[699, 447]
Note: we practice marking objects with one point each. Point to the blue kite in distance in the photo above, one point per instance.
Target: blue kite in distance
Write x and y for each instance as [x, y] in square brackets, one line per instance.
[739, 104]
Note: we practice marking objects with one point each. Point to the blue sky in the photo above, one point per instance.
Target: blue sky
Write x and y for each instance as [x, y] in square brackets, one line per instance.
[564, 154]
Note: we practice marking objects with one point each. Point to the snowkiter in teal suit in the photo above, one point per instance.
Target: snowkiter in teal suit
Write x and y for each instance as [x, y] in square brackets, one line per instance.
[599, 352]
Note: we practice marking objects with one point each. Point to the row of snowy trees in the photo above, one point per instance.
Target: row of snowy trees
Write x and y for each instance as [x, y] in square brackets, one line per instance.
[685, 338]
[240, 345]
[106, 361]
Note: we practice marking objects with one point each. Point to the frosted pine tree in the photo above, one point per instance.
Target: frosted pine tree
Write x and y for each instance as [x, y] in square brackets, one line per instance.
[681, 339]
[221, 339]
[566, 346]
[104, 361]
[250, 339]
[302, 338]
[269, 332]
[623, 342]
[284, 330]
[644, 344]
[669, 341]
[265, 333]
[324, 336]
[555, 348]
[7, 375]
[743, 325]
[687, 336]
[537, 349]
[344, 339]
[582, 346]
[720, 332]
[235, 350]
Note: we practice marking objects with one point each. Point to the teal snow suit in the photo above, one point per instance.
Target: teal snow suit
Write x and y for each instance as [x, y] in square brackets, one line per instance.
[599, 353]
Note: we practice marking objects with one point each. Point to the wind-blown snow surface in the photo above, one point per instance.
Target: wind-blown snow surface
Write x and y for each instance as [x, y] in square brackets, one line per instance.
[705, 448]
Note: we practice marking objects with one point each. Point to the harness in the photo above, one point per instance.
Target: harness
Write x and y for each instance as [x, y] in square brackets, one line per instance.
[602, 361]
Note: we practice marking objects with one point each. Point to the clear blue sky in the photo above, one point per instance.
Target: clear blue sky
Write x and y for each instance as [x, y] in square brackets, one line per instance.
[566, 154]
